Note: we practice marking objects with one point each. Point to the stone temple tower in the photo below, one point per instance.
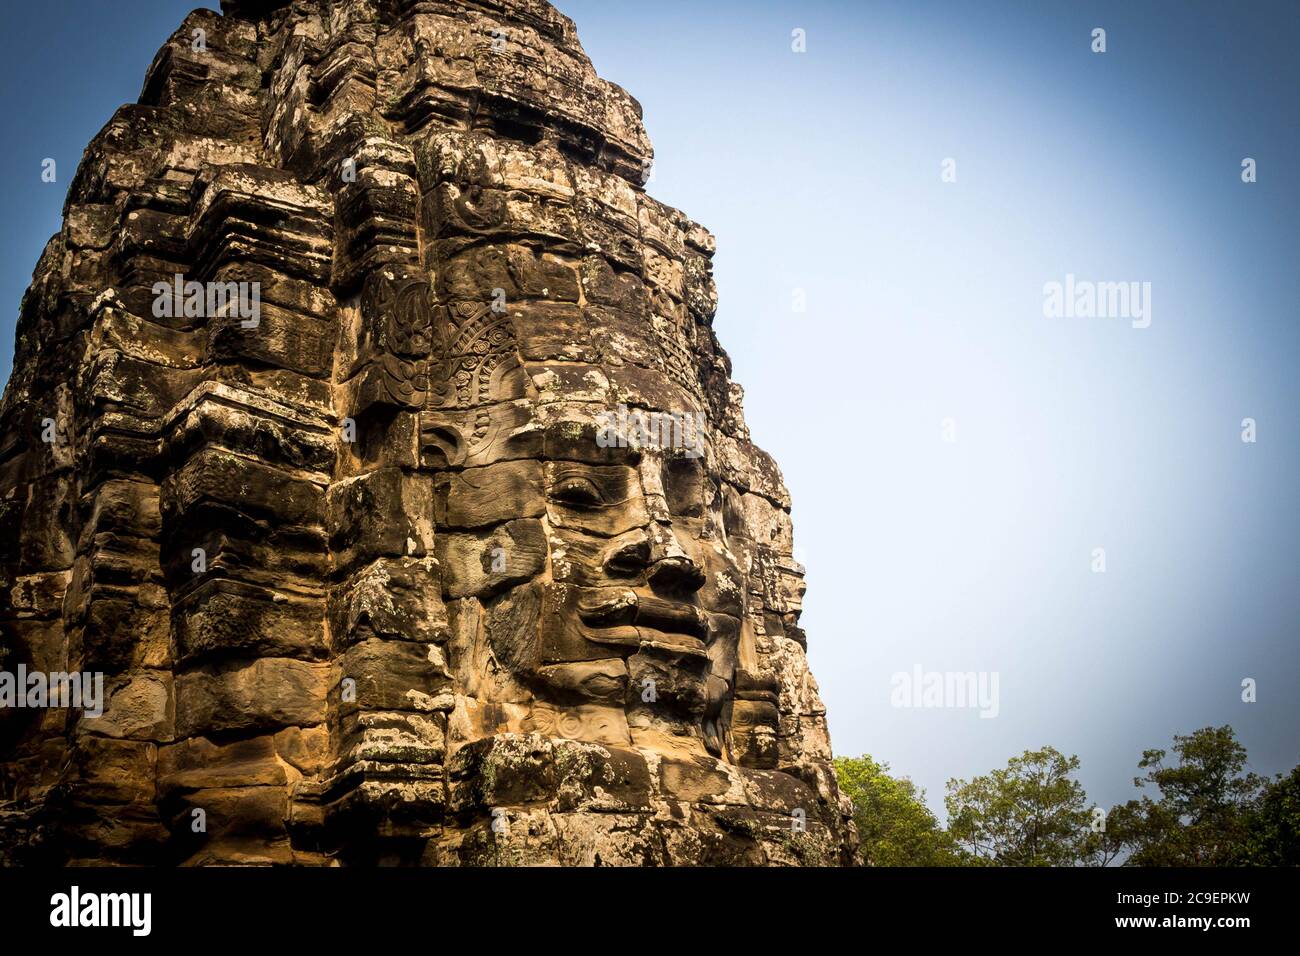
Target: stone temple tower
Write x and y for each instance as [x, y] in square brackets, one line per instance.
[368, 434]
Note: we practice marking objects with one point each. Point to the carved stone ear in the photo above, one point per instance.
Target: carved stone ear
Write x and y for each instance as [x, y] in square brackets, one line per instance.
[717, 714]
[441, 445]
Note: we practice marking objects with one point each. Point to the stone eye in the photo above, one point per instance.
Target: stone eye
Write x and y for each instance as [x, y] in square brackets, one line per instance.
[577, 492]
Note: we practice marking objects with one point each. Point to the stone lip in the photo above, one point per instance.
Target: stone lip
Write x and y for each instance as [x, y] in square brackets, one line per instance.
[365, 583]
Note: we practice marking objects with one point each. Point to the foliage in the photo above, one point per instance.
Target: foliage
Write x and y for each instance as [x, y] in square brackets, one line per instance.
[1031, 813]
[1273, 825]
[1199, 817]
[1202, 808]
[895, 826]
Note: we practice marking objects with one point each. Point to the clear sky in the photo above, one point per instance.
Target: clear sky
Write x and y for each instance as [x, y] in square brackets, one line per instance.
[821, 172]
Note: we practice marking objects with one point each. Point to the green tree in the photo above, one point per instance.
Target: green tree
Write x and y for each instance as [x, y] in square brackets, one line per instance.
[895, 826]
[1200, 815]
[1032, 813]
[1273, 825]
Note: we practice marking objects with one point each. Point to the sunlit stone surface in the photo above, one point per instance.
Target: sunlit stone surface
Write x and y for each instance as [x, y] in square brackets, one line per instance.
[385, 561]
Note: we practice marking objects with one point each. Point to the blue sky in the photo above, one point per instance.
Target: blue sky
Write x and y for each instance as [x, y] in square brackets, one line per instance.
[820, 172]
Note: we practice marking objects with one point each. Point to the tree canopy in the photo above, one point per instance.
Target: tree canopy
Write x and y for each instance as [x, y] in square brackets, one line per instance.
[895, 826]
[1200, 806]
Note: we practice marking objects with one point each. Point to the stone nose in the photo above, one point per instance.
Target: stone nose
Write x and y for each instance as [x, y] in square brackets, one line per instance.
[659, 555]
[671, 569]
[675, 576]
[628, 556]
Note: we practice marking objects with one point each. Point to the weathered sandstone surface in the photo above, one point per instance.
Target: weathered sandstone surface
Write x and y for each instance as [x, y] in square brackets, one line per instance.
[368, 579]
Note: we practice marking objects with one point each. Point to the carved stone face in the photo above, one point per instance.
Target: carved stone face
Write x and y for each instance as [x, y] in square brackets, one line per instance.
[643, 609]
[591, 587]
[365, 576]
[609, 595]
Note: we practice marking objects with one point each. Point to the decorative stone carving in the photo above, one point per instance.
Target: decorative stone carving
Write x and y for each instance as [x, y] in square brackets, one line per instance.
[376, 575]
